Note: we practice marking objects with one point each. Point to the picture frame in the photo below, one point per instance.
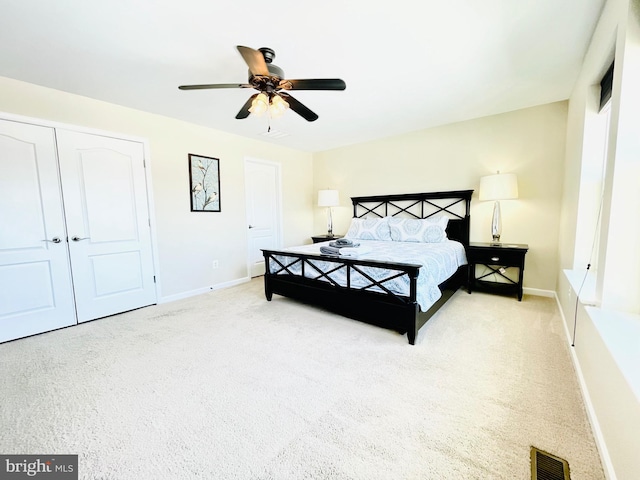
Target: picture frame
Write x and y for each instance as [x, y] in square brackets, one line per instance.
[204, 182]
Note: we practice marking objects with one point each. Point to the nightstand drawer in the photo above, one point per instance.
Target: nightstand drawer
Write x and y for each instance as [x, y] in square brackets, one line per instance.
[493, 257]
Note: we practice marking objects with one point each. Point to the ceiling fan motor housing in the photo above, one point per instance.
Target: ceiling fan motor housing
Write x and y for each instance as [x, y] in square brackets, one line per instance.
[270, 83]
[269, 54]
[275, 70]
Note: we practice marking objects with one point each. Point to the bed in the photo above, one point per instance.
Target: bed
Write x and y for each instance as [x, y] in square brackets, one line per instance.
[398, 294]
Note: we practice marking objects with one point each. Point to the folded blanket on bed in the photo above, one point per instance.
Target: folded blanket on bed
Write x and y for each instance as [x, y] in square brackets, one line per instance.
[329, 250]
[354, 251]
[344, 242]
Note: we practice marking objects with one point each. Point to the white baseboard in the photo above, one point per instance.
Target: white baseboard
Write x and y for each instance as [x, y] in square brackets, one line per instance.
[539, 292]
[200, 291]
[607, 464]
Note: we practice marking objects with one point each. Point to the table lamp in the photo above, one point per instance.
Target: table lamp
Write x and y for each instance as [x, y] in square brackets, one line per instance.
[328, 198]
[501, 186]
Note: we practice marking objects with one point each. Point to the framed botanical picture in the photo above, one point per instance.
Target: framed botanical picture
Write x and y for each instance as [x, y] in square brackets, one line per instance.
[204, 177]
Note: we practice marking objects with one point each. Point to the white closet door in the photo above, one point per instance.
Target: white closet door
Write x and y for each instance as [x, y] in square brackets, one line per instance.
[35, 281]
[105, 202]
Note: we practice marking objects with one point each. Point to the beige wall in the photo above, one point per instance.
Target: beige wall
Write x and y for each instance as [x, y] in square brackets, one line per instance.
[528, 142]
[187, 242]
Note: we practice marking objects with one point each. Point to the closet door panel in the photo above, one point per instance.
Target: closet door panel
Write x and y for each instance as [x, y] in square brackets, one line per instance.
[35, 283]
[105, 201]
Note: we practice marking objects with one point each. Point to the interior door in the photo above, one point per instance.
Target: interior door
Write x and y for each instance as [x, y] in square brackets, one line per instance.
[35, 282]
[105, 203]
[262, 182]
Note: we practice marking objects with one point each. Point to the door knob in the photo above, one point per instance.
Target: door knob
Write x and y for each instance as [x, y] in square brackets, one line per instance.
[77, 239]
[251, 226]
[53, 240]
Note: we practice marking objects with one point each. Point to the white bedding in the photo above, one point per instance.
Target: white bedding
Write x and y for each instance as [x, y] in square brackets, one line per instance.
[438, 262]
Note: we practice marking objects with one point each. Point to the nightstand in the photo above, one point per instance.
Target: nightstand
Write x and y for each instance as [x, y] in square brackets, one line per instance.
[324, 238]
[496, 258]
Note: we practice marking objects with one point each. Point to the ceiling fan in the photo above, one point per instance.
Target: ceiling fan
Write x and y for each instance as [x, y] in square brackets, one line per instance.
[272, 87]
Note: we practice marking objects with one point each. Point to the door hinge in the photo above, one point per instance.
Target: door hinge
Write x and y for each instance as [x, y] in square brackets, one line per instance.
[154, 279]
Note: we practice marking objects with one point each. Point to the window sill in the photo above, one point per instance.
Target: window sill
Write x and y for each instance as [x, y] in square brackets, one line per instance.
[588, 291]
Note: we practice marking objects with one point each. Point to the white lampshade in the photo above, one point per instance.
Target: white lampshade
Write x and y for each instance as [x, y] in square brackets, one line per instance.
[328, 198]
[502, 186]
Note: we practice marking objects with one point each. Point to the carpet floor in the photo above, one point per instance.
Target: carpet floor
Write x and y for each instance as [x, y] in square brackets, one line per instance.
[229, 386]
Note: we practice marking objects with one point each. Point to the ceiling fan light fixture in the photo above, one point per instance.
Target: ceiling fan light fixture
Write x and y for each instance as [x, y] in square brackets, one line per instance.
[260, 104]
[278, 106]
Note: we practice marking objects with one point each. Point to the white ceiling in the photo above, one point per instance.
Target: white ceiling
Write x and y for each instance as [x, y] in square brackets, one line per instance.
[408, 64]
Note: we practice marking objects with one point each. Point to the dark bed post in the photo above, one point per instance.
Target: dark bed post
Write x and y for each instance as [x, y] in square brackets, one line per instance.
[267, 276]
[412, 332]
[412, 317]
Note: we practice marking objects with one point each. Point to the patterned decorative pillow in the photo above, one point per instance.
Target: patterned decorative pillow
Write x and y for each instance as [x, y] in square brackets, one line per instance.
[425, 230]
[369, 229]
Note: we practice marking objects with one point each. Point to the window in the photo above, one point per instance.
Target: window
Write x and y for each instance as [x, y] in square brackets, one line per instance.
[592, 178]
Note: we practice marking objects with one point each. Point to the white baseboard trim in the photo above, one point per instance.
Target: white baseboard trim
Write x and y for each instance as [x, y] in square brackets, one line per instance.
[607, 464]
[200, 291]
[539, 292]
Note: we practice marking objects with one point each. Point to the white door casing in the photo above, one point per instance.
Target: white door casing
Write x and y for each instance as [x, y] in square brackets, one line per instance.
[105, 203]
[262, 187]
[35, 280]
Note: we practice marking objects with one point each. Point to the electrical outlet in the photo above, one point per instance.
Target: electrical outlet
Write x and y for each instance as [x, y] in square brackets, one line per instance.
[215, 264]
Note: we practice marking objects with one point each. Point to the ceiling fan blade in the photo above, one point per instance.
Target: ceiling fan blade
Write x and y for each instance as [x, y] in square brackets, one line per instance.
[244, 111]
[255, 60]
[313, 84]
[299, 108]
[214, 85]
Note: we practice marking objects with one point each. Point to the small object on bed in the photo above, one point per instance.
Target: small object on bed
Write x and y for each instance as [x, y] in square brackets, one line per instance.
[344, 242]
[345, 251]
[329, 250]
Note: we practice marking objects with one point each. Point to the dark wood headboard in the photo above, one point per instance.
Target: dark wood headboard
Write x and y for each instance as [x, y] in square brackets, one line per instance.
[454, 204]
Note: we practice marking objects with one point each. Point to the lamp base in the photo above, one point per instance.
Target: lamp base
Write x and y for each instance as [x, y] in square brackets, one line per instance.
[496, 223]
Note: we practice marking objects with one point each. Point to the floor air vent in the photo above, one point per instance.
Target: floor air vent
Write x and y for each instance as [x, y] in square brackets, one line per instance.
[545, 466]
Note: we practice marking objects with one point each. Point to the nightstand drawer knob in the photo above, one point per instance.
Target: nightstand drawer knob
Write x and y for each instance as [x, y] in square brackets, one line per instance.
[495, 259]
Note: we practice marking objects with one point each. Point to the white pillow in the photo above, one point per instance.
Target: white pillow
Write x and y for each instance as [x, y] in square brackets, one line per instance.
[369, 229]
[424, 230]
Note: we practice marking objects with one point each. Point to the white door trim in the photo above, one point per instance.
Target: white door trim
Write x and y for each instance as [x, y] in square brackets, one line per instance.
[279, 229]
